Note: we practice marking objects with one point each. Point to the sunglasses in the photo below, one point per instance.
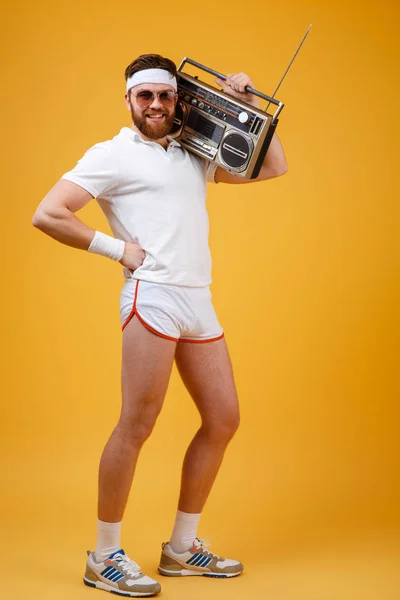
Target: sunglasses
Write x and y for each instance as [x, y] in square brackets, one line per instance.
[146, 97]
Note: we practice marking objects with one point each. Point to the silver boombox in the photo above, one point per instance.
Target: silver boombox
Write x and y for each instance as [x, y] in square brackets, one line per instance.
[221, 128]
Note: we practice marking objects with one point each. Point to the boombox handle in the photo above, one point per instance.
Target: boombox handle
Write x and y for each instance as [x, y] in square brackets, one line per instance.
[270, 100]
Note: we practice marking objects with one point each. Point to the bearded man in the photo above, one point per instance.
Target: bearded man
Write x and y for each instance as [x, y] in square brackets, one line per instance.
[153, 193]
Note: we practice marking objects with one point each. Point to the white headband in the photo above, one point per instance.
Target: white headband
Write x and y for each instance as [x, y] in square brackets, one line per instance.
[151, 76]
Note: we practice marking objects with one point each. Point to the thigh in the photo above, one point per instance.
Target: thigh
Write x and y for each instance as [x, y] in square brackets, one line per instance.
[146, 367]
[206, 371]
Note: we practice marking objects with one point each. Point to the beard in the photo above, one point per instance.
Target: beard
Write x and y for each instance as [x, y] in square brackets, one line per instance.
[153, 131]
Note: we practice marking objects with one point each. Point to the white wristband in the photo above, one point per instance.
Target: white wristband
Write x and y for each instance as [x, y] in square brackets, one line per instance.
[107, 246]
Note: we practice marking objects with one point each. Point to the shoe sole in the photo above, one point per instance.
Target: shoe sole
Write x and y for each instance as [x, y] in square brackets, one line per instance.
[191, 572]
[103, 586]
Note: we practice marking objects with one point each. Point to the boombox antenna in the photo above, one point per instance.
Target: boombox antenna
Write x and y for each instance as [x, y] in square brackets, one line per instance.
[290, 64]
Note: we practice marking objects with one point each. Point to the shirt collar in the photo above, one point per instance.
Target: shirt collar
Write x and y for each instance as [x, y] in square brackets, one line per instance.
[134, 135]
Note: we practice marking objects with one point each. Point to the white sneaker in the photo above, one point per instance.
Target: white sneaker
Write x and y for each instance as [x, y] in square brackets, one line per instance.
[197, 561]
[120, 575]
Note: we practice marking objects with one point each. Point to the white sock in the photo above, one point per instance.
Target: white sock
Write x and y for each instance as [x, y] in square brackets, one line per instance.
[185, 531]
[108, 540]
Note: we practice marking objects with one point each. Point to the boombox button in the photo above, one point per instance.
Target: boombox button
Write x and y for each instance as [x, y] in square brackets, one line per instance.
[187, 97]
[195, 140]
[243, 117]
[194, 101]
[201, 105]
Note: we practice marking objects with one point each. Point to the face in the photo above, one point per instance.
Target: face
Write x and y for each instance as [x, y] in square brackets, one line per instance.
[155, 120]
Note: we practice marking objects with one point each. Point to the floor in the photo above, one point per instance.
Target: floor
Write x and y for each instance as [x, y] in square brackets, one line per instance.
[43, 565]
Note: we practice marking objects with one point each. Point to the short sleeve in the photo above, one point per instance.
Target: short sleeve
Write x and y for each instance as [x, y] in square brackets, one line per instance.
[95, 171]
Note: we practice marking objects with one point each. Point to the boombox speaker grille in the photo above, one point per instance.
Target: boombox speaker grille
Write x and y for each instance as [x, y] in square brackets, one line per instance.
[235, 150]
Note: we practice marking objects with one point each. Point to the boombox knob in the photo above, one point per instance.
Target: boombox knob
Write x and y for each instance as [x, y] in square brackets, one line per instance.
[243, 117]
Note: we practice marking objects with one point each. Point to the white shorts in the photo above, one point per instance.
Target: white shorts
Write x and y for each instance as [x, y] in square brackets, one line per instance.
[174, 312]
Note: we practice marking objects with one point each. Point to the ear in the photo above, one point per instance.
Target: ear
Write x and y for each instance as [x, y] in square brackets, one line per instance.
[128, 102]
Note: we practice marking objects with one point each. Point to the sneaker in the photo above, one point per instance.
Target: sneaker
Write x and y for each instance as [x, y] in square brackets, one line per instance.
[197, 561]
[120, 575]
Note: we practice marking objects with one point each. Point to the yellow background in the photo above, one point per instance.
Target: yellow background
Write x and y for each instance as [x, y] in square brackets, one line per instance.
[306, 287]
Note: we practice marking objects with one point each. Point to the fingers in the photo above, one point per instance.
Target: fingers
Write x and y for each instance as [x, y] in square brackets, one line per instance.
[222, 84]
[140, 252]
[238, 81]
[134, 251]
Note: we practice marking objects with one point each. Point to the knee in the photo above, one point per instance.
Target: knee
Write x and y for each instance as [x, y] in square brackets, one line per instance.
[135, 431]
[224, 427]
[232, 424]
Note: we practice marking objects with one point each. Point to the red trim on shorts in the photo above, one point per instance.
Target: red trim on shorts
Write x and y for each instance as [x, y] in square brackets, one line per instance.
[142, 321]
[133, 307]
[202, 341]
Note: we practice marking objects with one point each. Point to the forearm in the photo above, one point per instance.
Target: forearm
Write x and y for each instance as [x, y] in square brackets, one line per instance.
[64, 226]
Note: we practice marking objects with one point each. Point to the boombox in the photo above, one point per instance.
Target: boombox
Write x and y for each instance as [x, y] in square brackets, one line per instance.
[221, 128]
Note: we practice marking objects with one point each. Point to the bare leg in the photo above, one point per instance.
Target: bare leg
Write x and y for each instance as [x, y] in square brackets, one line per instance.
[146, 366]
[207, 373]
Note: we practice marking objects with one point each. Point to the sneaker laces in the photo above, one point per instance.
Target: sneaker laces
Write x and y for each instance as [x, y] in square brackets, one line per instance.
[204, 544]
[127, 565]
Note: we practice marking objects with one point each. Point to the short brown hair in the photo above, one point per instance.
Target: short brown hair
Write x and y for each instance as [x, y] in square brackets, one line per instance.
[150, 61]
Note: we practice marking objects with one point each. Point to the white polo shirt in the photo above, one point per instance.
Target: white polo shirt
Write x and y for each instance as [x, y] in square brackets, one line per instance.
[156, 198]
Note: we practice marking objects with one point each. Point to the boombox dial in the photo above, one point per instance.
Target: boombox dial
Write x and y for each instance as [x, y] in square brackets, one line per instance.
[243, 117]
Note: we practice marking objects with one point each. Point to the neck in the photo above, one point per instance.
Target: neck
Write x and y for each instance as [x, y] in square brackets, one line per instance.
[164, 142]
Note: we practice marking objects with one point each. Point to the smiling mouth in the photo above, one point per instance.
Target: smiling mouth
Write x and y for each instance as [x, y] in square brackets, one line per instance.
[157, 117]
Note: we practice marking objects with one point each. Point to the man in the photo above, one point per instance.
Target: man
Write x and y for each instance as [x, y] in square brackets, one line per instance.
[152, 192]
